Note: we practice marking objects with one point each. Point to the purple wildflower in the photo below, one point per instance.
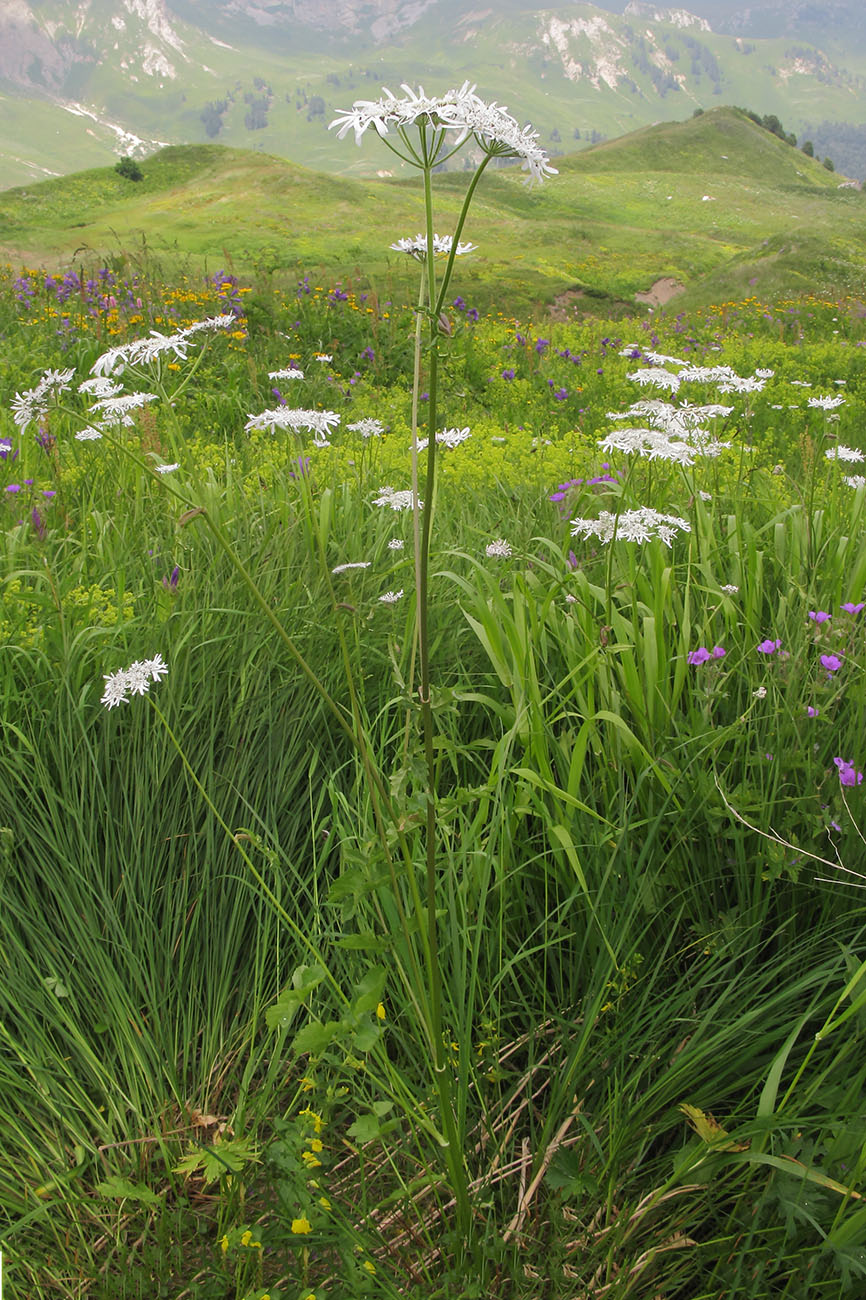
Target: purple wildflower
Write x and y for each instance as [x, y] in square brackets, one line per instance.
[699, 656]
[769, 647]
[848, 774]
[170, 583]
[541, 345]
[14, 487]
[850, 608]
[831, 662]
[508, 374]
[811, 711]
[819, 615]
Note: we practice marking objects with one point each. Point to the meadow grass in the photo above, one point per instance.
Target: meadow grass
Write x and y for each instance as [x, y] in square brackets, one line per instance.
[216, 1058]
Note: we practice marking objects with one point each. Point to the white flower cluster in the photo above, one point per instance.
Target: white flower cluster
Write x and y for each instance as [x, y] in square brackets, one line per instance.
[841, 452]
[417, 247]
[674, 432]
[319, 423]
[498, 550]
[114, 412]
[134, 680]
[140, 352]
[391, 597]
[289, 373]
[826, 403]
[33, 403]
[368, 428]
[461, 111]
[651, 443]
[397, 500]
[353, 564]
[631, 526]
[446, 438]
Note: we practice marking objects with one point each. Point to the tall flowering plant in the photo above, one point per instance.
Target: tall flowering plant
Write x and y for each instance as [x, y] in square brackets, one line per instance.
[426, 131]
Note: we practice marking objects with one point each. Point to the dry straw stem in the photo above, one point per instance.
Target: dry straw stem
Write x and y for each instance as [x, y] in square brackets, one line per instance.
[775, 838]
[526, 1194]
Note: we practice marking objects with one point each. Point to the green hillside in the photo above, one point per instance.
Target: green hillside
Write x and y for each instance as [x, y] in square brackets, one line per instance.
[713, 203]
[578, 72]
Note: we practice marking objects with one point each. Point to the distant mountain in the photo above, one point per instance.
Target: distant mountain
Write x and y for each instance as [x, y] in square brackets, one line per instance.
[82, 81]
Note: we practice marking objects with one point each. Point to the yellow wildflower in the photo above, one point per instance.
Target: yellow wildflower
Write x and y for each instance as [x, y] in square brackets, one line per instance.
[380, 1012]
[224, 1244]
[247, 1240]
[324, 1202]
[316, 1144]
[318, 1122]
[310, 1160]
[301, 1226]
[369, 1266]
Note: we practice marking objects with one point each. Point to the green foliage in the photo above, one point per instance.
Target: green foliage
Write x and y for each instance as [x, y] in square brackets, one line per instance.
[129, 169]
[650, 1006]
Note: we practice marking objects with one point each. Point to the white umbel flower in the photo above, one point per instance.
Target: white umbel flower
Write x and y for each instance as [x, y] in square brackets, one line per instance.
[33, 403]
[498, 550]
[134, 680]
[391, 597]
[288, 373]
[659, 378]
[844, 453]
[417, 247]
[631, 526]
[396, 499]
[460, 111]
[319, 423]
[368, 428]
[446, 438]
[143, 351]
[826, 403]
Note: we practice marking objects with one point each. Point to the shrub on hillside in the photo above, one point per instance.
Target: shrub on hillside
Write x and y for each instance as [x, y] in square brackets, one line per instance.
[129, 168]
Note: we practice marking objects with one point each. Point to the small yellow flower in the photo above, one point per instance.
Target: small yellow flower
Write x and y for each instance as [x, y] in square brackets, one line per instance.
[310, 1160]
[369, 1266]
[324, 1202]
[247, 1240]
[318, 1122]
[224, 1244]
[380, 1012]
[307, 1084]
[316, 1144]
[301, 1226]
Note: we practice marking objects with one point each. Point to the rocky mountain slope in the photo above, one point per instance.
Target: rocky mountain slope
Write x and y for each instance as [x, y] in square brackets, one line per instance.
[84, 80]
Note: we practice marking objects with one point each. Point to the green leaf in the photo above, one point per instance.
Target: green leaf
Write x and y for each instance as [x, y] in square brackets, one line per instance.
[366, 1036]
[123, 1189]
[365, 1129]
[315, 1037]
[364, 941]
[368, 992]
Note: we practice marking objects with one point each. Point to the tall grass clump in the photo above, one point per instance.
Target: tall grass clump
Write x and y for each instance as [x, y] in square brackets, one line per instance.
[421, 738]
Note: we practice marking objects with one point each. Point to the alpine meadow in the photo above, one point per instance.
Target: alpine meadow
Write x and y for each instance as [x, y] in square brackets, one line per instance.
[433, 676]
